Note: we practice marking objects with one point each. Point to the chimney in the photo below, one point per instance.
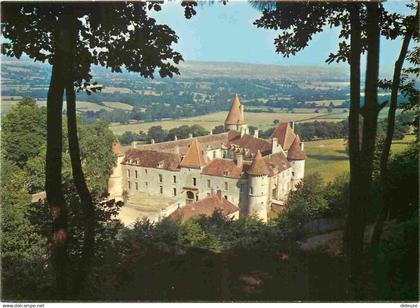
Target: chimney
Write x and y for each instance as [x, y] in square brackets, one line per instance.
[152, 141]
[301, 146]
[219, 194]
[239, 159]
[134, 144]
[190, 135]
[275, 145]
[242, 131]
[211, 132]
[175, 138]
[256, 133]
[292, 125]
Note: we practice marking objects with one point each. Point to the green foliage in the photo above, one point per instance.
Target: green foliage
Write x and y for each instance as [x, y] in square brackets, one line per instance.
[25, 267]
[396, 267]
[128, 137]
[219, 129]
[23, 131]
[96, 153]
[191, 234]
[306, 202]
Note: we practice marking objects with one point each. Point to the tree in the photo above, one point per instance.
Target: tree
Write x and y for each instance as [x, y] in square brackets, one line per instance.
[410, 29]
[219, 129]
[23, 131]
[362, 24]
[72, 37]
[157, 133]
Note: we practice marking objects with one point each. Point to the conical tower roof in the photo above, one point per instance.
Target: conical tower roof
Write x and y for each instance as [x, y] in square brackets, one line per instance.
[295, 152]
[194, 158]
[235, 115]
[284, 134]
[258, 166]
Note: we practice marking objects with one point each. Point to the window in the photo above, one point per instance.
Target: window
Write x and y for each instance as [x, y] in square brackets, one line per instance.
[174, 191]
[214, 154]
[129, 185]
[293, 174]
[135, 172]
[225, 173]
[174, 178]
[128, 173]
[226, 186]
[208, 184]
[146, 184]
[226, 197]
[194, 181]
[160, 178]
[196, 197]
[137, 185]
[145, 171]
[161, 190]
[250, 190]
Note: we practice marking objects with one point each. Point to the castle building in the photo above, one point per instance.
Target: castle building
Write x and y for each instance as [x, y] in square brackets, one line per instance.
[249, 172]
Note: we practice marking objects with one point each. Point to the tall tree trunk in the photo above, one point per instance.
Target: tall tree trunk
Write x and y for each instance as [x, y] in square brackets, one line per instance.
[88, 209]
[388, 138]
[353, 233]
[370, 112]
[53, 180]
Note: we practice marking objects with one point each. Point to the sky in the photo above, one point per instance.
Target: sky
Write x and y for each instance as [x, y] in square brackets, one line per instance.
[226, 33]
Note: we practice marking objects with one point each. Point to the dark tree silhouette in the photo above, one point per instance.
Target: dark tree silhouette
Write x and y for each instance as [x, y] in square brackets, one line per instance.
[71, 37]
[362, 23]
[409, 29]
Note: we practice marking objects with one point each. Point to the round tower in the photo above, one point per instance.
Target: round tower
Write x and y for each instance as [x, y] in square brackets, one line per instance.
[297, 157]
[258, 188]
[235, 119]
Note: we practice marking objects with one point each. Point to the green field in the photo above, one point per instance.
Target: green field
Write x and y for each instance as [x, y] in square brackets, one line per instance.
[209, 121]
[329, 157]
[8, 102]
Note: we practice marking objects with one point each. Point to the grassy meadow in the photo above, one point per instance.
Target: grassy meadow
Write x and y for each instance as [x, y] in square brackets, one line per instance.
[329, 157]
[261, 120]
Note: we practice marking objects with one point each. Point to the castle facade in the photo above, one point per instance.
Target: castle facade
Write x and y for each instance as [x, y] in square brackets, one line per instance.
[250, 172]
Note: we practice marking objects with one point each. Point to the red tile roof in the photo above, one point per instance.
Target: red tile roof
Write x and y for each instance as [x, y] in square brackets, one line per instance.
[225, 167]
[295, 152]
[151, 159]
[208, 141]
[285, 135]
[276, 163]
[250, 142]
[258, 166]
[235, 116]
[206, 207]
[194, 157]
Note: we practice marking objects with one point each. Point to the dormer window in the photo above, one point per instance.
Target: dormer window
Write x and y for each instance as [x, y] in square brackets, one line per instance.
[160, 164]
[225, 173]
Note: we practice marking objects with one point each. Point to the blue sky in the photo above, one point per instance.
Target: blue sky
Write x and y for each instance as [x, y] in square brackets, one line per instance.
[226, 33]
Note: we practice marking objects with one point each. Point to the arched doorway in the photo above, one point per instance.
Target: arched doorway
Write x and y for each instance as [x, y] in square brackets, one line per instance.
[190, 195]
